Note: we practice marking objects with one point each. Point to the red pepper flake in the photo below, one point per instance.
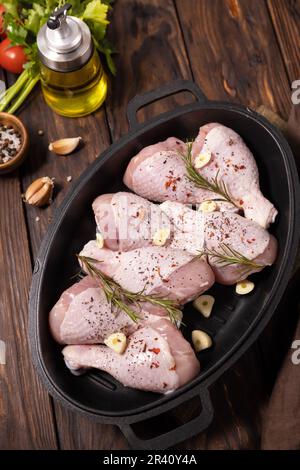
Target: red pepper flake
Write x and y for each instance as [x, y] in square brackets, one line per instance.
[154, 364]
[173, 368]
[241, 202]
[154, 350]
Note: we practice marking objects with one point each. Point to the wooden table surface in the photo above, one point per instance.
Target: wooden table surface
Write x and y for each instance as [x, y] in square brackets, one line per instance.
[242, 51]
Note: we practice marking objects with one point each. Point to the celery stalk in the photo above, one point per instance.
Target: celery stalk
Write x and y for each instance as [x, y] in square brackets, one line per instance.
[12, 91]
[23, 95]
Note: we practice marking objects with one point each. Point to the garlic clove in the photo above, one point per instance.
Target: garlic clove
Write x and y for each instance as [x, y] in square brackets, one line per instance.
[117, 342]
[202, 160]
[99, 240]
[244, 287]
[64, 146]
[201, 340]
[204, 304]
[208, 206]
[161, 236]
[39, 192]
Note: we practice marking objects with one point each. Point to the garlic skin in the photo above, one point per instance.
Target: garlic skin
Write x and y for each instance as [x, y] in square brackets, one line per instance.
[39, 192]
[64, 146]
[117, 342]
[201, 340]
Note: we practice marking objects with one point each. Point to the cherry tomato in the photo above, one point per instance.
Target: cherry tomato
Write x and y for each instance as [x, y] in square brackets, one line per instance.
[12, 58]
[2, 33]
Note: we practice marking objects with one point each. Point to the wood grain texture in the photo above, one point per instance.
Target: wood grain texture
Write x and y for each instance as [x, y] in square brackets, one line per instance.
[74, 431]
[26, 416]
[139, 31]
[234, 56]
[285, 15]
[150, 53]
[233, 52]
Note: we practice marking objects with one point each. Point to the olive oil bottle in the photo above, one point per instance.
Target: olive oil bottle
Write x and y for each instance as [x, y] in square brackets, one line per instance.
[73, 81]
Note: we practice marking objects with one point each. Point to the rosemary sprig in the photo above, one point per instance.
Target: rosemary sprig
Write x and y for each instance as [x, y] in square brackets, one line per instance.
[229, 256]
[216, 185]
[123, 299]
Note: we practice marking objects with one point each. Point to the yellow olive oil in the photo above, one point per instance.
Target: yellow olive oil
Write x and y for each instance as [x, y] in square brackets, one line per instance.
[75, 93]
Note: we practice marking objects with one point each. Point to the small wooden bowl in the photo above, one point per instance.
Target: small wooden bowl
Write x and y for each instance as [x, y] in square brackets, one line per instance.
[16, 123]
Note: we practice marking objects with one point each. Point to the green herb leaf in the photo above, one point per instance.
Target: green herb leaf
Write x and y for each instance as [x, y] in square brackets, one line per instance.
[97, 12]
[215, 185]
[228, 256]
[123, 299]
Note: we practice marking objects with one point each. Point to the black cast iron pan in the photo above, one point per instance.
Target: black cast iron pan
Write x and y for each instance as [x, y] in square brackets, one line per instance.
[236, 321]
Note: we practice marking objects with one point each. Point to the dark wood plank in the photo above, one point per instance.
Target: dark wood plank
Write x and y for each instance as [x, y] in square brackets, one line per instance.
[150, 53]
[285, 15]
[139, 32]
[233, 52]
[74, 431]
[26, 416]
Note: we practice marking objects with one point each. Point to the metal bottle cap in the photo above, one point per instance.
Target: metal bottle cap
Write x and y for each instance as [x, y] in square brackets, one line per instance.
[64, 42]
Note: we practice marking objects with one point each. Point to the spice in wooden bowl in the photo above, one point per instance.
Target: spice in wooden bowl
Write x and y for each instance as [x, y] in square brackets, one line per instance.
[14, 142]
[10, 143]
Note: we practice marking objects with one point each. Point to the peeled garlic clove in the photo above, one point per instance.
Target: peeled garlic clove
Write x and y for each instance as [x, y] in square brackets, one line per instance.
[117, 342]
[244, 287]
[204, 304]
[201, 340]
[208, 206]
[202, 160]
[64, 146]
[99, 240]
[161, 236]
[39, 192]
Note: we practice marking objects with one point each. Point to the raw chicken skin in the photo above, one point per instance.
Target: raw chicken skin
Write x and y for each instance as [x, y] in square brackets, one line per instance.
[197, 231]
[158, 172]
[82, 315]
[157, 360]
[155, 270]
[237, 169]
[127, 221]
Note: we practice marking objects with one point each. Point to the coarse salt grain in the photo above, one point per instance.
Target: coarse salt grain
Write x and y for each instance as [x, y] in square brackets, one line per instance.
[10, 143]
[69, 178]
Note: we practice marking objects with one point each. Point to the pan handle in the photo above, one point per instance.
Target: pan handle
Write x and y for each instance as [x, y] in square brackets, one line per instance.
[172, 88]
[180, 433]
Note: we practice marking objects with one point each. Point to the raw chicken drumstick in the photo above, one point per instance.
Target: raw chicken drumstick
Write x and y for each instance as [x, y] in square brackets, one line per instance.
[158, 172]
[186, 229]
[157, 270]
[157, 359]
[82, 315]
[196, 231]
[127, 221]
